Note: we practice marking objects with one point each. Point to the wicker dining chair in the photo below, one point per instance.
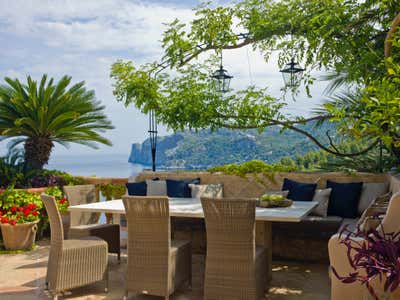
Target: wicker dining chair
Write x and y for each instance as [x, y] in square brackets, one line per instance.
[75, 262]
[235, 267]
[86, 224]
[157, 265]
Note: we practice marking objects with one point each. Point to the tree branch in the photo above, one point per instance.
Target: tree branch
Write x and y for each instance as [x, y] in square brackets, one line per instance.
[246, 42]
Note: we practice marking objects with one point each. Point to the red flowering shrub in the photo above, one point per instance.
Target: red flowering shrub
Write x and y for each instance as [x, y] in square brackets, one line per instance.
[62, 202]
[19, 206]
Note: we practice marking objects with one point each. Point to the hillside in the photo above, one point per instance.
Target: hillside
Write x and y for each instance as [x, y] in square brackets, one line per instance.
[203, 149]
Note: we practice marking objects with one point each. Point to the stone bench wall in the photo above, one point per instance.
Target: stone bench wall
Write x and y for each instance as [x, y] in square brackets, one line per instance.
[290, 241]
[255, 185]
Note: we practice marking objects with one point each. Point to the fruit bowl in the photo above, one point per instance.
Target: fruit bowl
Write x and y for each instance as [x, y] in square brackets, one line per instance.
[272, 203]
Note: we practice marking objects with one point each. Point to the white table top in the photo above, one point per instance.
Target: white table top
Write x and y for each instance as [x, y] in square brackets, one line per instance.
[191, 208]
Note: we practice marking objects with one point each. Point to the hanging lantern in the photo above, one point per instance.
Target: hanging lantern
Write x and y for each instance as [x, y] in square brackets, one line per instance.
[222, 79]
[292, 73]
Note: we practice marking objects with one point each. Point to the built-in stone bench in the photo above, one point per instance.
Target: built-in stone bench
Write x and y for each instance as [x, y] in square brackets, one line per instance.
[306, 240]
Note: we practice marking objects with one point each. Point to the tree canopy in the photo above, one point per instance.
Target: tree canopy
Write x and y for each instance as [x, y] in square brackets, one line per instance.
[345, 38]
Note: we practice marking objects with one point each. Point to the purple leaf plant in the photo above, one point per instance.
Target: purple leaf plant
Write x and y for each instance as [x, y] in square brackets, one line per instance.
[372, 254]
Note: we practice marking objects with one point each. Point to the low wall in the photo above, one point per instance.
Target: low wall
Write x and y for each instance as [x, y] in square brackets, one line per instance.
[255, 185]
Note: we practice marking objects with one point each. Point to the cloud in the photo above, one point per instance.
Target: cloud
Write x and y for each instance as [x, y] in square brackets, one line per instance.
[91, 25]
[82, 38]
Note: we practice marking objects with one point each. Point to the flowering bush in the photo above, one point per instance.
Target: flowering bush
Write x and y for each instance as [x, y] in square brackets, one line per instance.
[376, 254]
[62, 202]
[19, 206]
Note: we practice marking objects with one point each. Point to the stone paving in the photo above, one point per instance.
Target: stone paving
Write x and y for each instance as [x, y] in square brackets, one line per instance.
[22, 278]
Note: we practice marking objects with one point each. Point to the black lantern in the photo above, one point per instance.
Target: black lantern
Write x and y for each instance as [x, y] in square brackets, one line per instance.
[292, 73]
[153, 137]
[222, 79]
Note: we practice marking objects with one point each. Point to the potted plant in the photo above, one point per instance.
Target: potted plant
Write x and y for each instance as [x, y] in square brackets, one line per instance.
[62, 204]
[20, 213]
[375, 258]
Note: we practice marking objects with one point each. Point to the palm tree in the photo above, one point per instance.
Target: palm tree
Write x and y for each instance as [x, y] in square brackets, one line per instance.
[40, 115]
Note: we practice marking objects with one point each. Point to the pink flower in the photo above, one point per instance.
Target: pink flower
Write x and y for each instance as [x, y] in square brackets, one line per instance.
[12, 222]
[35, 213]
[13, 208]
[4, 220]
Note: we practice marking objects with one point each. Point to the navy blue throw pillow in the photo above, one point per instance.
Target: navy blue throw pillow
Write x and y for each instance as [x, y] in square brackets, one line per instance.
[137, 188]
[299, 191]
[344, 198]
[180, 188]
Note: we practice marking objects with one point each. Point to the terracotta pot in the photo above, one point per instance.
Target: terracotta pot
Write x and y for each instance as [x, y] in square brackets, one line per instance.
[66, 221]
[19, 236]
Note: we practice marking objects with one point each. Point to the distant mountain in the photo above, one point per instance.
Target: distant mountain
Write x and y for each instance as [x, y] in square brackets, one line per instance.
[204, 149]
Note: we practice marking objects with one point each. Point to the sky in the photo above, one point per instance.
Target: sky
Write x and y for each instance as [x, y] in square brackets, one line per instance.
[82, 38]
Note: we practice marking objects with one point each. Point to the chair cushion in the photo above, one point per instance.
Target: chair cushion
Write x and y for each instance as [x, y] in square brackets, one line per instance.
[207, 190]
[370, 191]
[322, 197]
[299, 191]
[156, 188]
[180, 188]
[344, 198]
[84, 242]
[137, 188]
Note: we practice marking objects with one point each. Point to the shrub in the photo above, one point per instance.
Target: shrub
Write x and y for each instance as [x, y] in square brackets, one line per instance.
[62, 202]
[252, 167]
[45, 178]
[19, 206]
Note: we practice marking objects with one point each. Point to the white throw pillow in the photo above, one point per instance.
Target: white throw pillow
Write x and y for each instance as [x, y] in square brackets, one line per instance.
[156, 187]
[370, 191]
[322, 197]
[207, 190]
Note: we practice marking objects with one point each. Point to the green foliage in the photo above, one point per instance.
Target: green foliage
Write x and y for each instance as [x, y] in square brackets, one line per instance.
[65, 178]
[13, 170]
[54, 191]
[61, 201]
[322, 161]
[252, 167]
[345, 38]
[112, 191]
[39, 114]
[12, 197]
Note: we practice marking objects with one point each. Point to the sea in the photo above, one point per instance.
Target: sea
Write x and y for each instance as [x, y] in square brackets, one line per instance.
[99, 165]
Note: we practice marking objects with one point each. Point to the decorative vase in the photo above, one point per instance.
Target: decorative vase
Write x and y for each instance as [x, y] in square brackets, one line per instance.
[66, 221]
[19, 236]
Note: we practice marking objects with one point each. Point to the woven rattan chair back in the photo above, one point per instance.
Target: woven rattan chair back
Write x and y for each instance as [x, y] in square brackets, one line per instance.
[230, 262]
[149, 242]
[56, 235]
[82, 194]
[56, 226]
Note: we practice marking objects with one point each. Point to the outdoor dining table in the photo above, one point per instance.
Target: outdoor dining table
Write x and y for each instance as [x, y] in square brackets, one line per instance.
[191, 208]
